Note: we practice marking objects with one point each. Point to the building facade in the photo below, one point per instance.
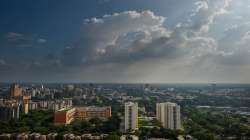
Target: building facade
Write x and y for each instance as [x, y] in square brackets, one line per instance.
[10, 110]
[86, 113]
[15, 91]
[26, 100]
[131, 116]
[129, 137]
[169, 115]
[64, 116]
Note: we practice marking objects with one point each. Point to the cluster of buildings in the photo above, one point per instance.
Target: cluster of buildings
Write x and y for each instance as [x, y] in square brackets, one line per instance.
[14, 103]
[134, 137]
[129, 137]
[52, 136]
[168, 114]
[50, 104]
[25, 136]
[19, 100]
[85, 137]
[9, 109]
[69, 136]
[67, 115]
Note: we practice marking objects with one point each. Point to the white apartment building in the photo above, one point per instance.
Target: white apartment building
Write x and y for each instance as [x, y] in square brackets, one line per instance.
[131, 116]
[169, 115]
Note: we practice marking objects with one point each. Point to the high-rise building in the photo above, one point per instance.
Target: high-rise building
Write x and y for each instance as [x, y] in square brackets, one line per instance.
[15, 91]
[169, 115]
[26, 100]
[10, 110]
[131, 116]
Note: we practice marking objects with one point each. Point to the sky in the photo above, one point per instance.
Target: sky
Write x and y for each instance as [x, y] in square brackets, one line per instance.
[125, 41]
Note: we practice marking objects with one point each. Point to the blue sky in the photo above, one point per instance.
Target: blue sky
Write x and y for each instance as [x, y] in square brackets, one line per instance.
[125, 41]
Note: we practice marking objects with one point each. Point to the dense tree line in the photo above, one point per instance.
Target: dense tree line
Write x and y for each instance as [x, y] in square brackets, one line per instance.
[42, 122]
[214, 125]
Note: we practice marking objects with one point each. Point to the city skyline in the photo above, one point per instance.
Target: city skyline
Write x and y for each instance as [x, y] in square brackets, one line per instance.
[120, 112]
[132, 41]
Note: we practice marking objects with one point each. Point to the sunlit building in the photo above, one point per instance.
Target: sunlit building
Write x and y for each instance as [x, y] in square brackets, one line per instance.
[86, 113]
[26, 100]
[64, 116]
[15, 91]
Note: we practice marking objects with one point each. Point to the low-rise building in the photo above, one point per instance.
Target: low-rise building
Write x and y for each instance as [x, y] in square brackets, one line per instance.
[52, 136]
[22, 136]
[93, 137]
[86, 113]
[5, 136]
[129, 137]
[157, 139]
[68, 137]
[64, 116]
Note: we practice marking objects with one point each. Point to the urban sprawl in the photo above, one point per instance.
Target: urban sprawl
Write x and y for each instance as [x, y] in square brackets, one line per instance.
[124, 112]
